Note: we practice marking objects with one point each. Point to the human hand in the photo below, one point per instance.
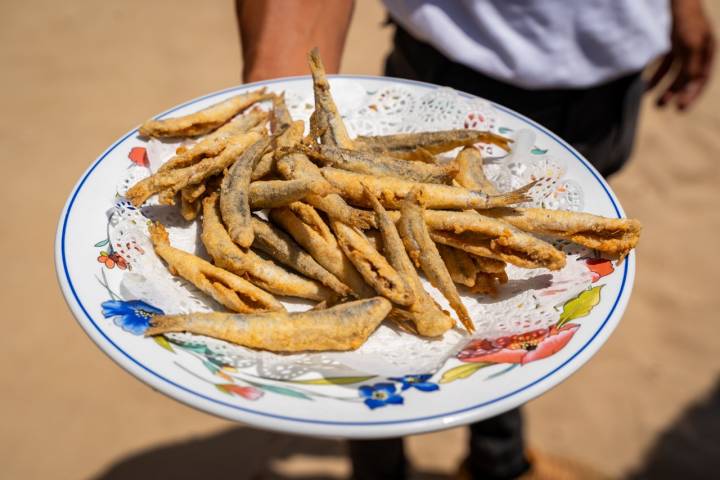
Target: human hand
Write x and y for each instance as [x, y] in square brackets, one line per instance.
[688, 64]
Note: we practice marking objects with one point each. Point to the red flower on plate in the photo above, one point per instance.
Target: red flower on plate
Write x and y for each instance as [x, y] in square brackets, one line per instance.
[112, 259]
[599, 267]
[522, 348]
[249, 393]
[138, 155]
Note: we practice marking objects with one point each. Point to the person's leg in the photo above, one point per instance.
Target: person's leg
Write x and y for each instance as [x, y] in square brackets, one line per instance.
[497, 447]
[378, 459]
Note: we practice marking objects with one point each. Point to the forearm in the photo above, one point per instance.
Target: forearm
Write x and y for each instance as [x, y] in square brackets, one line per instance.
[277, 34]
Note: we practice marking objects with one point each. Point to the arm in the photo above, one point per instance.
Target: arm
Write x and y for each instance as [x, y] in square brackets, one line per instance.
[688, 64]
[276, 35]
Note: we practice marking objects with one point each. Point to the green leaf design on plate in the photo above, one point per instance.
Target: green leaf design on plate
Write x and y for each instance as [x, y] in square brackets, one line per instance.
[283, 391]
[102, 243]
[332, 380]
[505, 130]
[211, 366]
[463, 371]
[538, 151]
[200, 349]
[162, 341]
[580, 306]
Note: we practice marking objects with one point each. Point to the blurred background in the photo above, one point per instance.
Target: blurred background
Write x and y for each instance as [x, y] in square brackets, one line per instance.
[77, 75]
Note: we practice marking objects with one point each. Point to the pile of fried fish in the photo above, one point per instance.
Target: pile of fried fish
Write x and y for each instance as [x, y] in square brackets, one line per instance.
[348, 223]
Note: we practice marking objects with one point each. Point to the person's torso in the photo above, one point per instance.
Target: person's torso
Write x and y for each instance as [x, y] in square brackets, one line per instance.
[542, 43]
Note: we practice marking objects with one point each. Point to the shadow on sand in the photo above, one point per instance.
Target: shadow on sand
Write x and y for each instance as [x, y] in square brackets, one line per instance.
[240, 453]
[690, 448]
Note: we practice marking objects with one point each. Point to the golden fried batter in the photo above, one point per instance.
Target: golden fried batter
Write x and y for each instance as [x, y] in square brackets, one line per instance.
[420, 144]
[226, 288]
[342, 327]
[373, 267]
[204, 121]
[614, 236]
[311, 232]
[425, 255]
[282, 248]
[176, 179]
[326, 116]
[234, 198]
[426, 315]
[470, 171]
[213, 144]
[263, 273]
[278, 193]
[391, 192]
[297, 165]
[377, 164]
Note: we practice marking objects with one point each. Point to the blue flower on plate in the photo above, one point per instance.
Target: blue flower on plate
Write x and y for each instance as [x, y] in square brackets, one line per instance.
[380, 394]
[417, 381]
[132, 315]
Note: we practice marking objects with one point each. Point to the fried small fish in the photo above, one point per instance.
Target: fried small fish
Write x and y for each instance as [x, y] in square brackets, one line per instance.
[310, 231]
[425, 314]
[424, 253]
[278, 193]
[486, 284]
[462, 268]
[373, 267]
[377, 164]
[204, 121]
[297, 165]
[175, 180]
[247, 264]
[342, 327]
[420, 144]
[234, 194]
[391, 192]
[470, 172]
[278, 245]
[226, 288]
[189, 208]
[214, 143]
[329, 122]
[489, 237]
[613, 236]
[289, 134]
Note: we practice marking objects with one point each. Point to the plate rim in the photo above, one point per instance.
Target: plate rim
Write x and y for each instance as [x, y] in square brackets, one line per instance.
[367, 429]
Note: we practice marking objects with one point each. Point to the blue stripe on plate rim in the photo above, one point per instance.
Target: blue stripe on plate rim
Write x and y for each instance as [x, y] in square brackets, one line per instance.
[447, 415]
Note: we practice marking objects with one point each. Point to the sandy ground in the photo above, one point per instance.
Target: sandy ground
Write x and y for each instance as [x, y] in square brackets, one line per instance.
[76, 75]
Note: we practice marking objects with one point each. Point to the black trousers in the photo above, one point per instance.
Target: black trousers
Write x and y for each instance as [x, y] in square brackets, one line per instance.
[600, 123]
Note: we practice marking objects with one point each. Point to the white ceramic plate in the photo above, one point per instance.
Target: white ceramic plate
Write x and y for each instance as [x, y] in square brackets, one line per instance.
[491, 375]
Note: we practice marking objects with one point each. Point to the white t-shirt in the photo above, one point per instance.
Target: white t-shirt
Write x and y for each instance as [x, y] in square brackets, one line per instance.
[542, 43]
